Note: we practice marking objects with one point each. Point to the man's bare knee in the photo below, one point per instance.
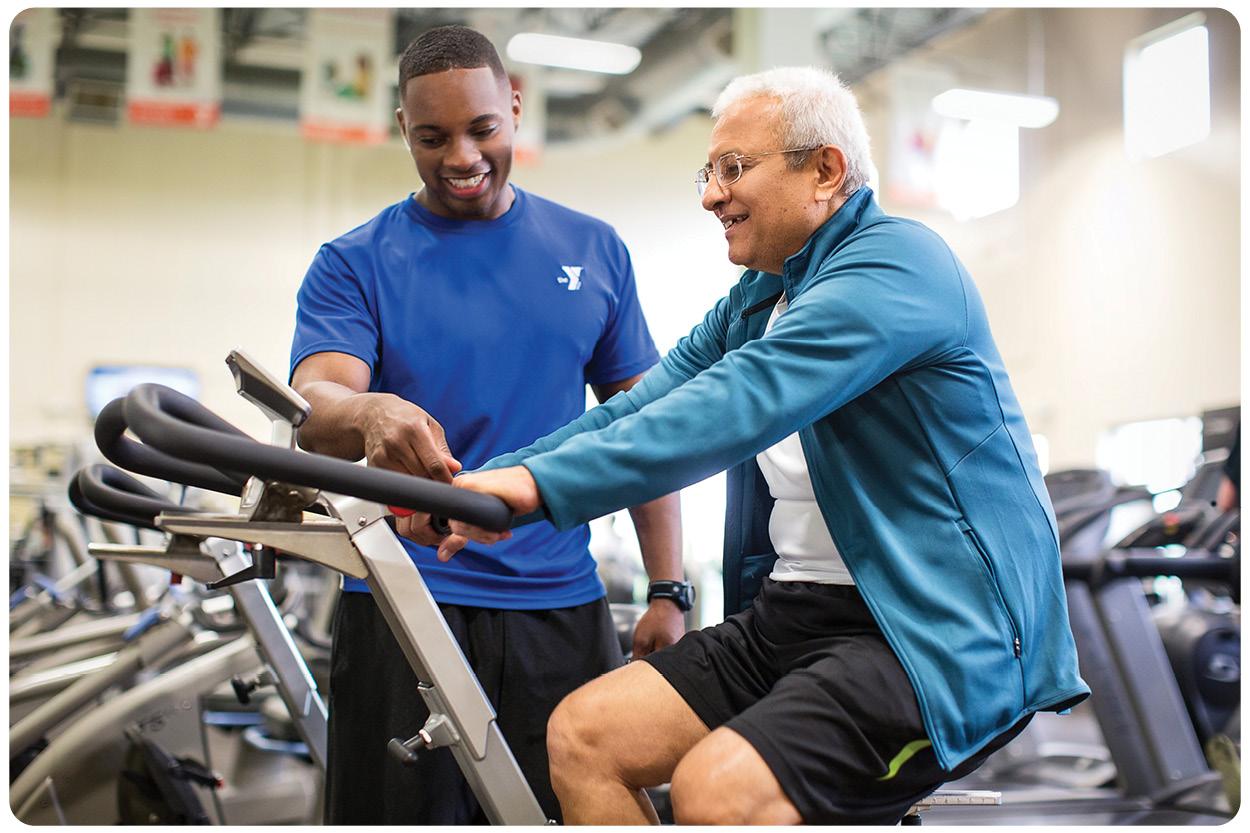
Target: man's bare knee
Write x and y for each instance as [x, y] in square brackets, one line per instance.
[694, 796]
[574, 733]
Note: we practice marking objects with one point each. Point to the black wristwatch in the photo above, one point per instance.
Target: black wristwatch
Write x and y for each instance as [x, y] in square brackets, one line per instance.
[680, 592]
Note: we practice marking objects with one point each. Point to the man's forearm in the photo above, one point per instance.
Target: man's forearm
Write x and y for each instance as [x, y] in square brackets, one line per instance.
[335, 425]
[658, 524]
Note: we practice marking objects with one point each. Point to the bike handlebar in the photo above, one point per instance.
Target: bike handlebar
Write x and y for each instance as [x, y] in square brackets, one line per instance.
[113, 495]
[179, 426]
[1145, 563]
[111, 439]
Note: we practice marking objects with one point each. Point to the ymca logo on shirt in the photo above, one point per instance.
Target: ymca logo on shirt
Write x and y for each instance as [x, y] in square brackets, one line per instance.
[572, 276]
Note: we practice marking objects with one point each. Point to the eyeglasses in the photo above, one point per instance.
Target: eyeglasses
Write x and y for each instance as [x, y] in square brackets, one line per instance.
[728, 168]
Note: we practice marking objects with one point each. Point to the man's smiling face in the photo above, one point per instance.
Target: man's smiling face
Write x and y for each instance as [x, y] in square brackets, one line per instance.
[459, 126]
[769, 213]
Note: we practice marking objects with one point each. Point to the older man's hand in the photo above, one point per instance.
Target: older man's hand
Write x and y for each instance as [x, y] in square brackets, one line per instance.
[515, 486]
[661, 625]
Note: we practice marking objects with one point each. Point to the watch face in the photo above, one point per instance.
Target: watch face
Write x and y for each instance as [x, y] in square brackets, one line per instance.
[680, 593]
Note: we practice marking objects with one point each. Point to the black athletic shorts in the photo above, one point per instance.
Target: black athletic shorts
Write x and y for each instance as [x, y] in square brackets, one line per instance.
[526, 662]
[806, 676]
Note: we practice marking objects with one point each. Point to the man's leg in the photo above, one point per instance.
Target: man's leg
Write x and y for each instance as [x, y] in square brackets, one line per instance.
[723, 780]
[542, 657]
[614, 736]
[373, 697]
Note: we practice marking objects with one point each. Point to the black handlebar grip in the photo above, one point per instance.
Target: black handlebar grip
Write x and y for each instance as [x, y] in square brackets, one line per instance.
[179, 426]
[115, 491]
[111, 439]
[87, 507]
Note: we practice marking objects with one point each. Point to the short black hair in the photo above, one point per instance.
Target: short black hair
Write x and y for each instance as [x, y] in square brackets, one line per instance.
[449, 47]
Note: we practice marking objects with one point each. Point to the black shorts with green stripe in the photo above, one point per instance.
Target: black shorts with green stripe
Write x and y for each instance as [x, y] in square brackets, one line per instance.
[808, 679]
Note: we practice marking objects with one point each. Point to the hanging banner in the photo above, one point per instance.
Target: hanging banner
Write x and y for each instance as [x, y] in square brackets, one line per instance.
[32, 53]
[345, 89]
[914, 127]
[173, 67]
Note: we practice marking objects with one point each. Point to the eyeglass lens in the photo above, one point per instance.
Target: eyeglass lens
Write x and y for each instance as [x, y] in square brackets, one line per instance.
[727, 169]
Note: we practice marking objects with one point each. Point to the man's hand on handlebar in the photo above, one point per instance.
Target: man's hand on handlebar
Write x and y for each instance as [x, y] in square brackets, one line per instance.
[400, 436]
[515, 486]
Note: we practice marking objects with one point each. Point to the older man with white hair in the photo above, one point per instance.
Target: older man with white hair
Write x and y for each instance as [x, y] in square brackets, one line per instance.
[891, 561]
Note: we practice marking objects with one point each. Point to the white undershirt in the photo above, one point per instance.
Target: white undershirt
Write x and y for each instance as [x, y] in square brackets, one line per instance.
[797, 529]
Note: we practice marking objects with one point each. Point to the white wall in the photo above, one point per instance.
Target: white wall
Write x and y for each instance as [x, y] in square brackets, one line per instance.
[1112, 287]
[138, 245]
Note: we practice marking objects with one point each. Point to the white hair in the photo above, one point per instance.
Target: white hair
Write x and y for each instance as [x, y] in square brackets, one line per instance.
[816, 109]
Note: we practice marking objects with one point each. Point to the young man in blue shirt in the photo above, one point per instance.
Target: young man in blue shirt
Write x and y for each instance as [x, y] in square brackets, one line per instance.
[891, 561]
[457, 324]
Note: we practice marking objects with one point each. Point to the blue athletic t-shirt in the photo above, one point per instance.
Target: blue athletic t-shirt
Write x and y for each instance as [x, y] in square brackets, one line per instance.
[494, 327]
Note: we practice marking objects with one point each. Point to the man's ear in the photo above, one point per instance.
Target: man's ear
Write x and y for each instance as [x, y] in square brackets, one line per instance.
[516, 109]
[830, 171]
[403, 129]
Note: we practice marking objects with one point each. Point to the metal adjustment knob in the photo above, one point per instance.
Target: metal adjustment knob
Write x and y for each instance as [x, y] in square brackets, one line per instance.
[244, 686]
[436, 732]
[405, 751]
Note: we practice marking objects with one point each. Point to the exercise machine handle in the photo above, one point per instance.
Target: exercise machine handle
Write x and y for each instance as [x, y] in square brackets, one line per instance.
[1145, 562]
[111, 439]
[86, 507]
[111, 490]
[179, 426]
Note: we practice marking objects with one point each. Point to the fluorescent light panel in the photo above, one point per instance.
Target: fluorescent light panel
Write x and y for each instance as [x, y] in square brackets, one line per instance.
[977, 167]
[982, 105]
[573, 53]
[1167, 93]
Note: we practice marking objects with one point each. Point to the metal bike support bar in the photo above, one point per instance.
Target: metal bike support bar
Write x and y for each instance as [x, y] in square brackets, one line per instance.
[111, 439]
[64, 637]
[71, 753]
[144, 652]
[116, 492]
[180, 426]
[360, 543]
[212, 560]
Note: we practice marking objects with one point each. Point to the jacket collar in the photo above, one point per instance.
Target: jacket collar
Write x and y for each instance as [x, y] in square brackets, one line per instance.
[858, 209]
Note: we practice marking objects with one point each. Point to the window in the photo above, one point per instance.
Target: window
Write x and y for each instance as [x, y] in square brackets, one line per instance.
[1160, 454]
[1167, 89]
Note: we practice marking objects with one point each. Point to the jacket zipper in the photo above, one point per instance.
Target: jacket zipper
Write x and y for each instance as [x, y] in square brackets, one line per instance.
[966, 528]
[762, 305]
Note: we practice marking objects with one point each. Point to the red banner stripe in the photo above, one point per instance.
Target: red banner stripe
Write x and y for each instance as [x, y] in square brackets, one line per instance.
[167, 113]
[30, 105]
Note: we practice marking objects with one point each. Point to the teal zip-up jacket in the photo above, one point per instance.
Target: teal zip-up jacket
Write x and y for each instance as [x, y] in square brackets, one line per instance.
[920, 459]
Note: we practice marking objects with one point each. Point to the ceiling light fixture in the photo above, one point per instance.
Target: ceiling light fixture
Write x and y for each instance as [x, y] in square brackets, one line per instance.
[1020, 110]
[573, 53]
